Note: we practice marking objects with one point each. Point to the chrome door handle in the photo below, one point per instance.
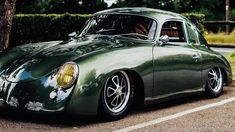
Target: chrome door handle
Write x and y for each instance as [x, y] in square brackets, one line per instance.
[195, 57]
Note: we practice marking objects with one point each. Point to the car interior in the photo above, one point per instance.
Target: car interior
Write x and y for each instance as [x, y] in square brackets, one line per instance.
[174, 30]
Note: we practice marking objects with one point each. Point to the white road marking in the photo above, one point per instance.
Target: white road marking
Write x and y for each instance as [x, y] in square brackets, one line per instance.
[169, 117]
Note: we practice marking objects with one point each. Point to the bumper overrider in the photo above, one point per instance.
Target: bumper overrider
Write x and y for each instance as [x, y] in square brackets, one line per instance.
[42, 94]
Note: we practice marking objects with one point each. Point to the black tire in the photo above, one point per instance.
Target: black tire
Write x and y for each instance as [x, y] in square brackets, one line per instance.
[116, 97]
[215, 82]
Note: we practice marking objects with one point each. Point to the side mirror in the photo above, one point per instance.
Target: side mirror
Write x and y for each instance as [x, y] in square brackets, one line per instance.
[164, 39]
[72, 35]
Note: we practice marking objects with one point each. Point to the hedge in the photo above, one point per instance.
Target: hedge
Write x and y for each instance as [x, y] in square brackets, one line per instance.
[29, 28]
[197, 19]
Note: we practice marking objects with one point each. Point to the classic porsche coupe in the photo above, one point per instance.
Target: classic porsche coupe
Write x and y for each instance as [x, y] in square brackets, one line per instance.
[122, 57]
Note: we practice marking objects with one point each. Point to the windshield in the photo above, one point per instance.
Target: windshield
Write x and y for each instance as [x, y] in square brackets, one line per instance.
[122, 25]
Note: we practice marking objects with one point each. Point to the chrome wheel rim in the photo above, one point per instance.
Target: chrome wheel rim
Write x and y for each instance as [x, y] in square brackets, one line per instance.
[215, 79]
[117, 92]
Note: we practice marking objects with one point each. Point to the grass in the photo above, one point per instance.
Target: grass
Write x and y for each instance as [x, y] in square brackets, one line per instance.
[231, 59]
[221, 38]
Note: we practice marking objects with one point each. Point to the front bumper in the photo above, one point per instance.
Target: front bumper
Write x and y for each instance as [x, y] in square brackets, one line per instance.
[39, 95]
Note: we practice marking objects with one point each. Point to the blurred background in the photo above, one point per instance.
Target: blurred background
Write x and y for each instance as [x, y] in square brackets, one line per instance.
[213, 9]
[45, 20]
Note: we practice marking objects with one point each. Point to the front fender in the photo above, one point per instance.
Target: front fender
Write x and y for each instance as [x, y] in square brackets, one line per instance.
[95, 69]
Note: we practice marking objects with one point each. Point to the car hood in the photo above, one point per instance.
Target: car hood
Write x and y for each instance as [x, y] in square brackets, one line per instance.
[32, 61]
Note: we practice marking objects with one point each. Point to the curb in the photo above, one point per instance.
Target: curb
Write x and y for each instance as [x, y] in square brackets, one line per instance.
[219, 45]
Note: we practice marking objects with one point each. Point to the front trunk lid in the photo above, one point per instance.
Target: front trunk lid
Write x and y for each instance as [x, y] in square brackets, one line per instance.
[37, 61]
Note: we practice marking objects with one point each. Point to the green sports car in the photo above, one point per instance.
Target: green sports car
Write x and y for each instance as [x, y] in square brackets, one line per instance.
[123, 57]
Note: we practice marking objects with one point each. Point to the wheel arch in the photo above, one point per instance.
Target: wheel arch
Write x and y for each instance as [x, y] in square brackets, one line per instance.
[138, 85]
[225, 74]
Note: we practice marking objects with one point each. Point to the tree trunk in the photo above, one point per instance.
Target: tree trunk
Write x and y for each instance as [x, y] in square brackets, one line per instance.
[7, 8]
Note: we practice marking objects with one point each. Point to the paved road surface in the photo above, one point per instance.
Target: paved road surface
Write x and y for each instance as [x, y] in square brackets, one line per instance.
[224, 51]
[217, 118]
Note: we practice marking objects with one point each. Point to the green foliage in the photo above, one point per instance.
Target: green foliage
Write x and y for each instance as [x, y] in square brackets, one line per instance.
[33, 6]
[221, 38]
[29, 28]
[197, 19]
[231, 60]
[232, 15]
[213, 9]
[232, 55]
[159, 4]
[207, 7]
[59, 6]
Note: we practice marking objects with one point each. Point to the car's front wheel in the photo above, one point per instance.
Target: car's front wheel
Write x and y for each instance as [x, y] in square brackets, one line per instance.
[215, 82]
[117, 96]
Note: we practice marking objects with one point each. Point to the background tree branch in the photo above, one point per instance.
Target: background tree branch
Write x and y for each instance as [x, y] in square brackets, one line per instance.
[7, 8]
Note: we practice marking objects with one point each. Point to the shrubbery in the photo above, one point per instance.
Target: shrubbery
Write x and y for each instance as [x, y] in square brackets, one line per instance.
[29, 28]
[221, 38]
[197, 19]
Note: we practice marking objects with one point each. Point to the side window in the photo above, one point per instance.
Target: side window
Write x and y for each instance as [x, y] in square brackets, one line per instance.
[191, 34]
[202, 40]
[175, 31]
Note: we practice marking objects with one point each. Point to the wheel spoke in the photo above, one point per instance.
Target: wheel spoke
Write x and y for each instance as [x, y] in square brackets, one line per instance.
[122, 82]
[111, 89]
[211, 73]
[123, 88]
[212, 81]
[123, 95]
[117, 100]
[116, 83]
[217, 81]
[121, 98]
[114, 101]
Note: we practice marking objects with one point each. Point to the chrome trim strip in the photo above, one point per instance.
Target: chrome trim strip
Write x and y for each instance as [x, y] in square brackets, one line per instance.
[172, 94]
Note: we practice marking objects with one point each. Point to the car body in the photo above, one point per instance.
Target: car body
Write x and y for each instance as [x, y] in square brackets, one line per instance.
[122, 56]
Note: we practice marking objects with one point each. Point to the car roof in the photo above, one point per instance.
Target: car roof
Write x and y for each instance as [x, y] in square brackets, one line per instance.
[148, 12]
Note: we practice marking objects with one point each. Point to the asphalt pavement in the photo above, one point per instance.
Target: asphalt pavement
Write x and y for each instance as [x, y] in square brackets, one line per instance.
[223, 51]
[196, 113]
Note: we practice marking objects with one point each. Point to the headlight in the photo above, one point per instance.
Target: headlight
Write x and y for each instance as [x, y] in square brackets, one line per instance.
[67, 75]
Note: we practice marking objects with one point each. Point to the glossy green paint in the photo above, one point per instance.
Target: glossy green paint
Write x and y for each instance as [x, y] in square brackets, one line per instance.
[173, 64]
[209, 59]
[94, 70]
[28, 72]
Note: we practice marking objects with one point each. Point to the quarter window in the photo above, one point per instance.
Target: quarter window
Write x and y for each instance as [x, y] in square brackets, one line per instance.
[174, 30]
[202, 40]
[192, 34]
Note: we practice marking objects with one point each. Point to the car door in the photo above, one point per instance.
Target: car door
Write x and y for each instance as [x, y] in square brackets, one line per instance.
[177, 67]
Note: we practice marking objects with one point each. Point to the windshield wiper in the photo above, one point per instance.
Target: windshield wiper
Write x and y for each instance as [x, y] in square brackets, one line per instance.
[105, 30]
[99, 32]
[135, 35]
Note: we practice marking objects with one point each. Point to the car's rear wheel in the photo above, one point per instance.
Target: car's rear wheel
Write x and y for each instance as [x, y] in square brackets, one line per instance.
[117, 96]
[215, 82]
